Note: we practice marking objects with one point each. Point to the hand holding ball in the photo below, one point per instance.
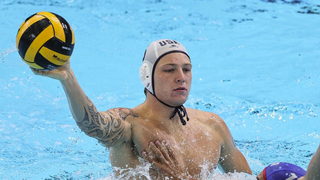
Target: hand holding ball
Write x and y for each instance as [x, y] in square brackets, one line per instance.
[45, 41]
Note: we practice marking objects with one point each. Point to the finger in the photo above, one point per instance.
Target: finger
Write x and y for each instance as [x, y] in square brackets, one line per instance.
[157, 152]
[35, 71]
[164, 151]
[39, 72]
[169, 150]
[144, 154]
[171, 154]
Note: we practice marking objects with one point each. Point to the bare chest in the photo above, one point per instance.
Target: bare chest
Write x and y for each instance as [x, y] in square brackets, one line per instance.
[195, 148]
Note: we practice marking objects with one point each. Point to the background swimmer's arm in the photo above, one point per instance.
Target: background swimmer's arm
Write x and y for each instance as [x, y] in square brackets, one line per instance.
[108, 127]
[313, 171]
[231, 159]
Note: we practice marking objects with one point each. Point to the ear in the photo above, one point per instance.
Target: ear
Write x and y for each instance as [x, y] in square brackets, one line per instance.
[145, 73]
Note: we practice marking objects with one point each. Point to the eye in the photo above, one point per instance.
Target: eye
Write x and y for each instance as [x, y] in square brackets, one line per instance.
[187, 69]
[168, 70]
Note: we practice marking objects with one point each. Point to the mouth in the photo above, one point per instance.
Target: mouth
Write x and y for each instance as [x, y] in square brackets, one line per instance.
[180, 89]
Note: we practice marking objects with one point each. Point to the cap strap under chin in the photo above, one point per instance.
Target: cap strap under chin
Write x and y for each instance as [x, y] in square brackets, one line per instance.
[181, 111]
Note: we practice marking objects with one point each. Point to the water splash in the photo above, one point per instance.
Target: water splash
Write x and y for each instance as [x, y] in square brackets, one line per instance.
[215, 175]
[5, 53]
[142, 172]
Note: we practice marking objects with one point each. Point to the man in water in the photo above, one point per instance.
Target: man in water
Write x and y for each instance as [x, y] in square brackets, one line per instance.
[163, 160]
[199, 138]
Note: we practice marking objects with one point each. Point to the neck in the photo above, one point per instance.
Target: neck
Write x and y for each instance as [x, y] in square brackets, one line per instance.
[158, 108]
[160, 111]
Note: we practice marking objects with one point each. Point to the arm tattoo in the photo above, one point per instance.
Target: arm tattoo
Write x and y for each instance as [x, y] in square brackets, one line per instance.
[107, 128]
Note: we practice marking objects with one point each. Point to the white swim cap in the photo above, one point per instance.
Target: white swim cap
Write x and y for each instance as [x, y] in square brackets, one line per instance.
[155, 51]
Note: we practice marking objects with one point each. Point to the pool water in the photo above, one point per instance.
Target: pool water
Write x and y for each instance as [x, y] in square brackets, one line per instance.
[255, 63]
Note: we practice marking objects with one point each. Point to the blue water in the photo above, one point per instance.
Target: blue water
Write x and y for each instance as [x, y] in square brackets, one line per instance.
[255, 63]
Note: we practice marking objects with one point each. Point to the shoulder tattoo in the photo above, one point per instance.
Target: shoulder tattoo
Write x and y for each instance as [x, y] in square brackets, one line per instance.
[107, 127]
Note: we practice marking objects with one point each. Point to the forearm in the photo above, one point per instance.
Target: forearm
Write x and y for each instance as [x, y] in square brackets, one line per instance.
[88, 119]
[77, 99]
[313, 171]
[236, 163]
[108, 127]
[242, 164]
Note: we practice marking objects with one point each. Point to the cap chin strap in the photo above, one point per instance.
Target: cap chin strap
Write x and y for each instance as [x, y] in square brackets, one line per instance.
[180, 110]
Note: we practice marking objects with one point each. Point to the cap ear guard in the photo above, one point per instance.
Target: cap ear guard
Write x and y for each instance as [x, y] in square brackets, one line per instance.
[146, 75]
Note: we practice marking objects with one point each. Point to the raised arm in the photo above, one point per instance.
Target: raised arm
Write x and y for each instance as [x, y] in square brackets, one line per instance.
[108, 127]
[231, 159]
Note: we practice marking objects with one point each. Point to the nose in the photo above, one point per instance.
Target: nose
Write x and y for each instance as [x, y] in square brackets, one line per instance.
[180, 76]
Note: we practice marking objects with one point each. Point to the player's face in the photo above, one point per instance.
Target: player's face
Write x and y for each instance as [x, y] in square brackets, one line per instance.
[172, 79]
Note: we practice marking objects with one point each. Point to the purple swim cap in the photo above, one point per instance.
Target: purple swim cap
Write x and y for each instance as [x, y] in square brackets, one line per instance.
[283, 171]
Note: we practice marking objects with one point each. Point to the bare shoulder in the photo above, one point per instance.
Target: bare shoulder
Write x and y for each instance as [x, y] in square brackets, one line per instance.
[212, 121]
[208, 118]
[120, 113]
